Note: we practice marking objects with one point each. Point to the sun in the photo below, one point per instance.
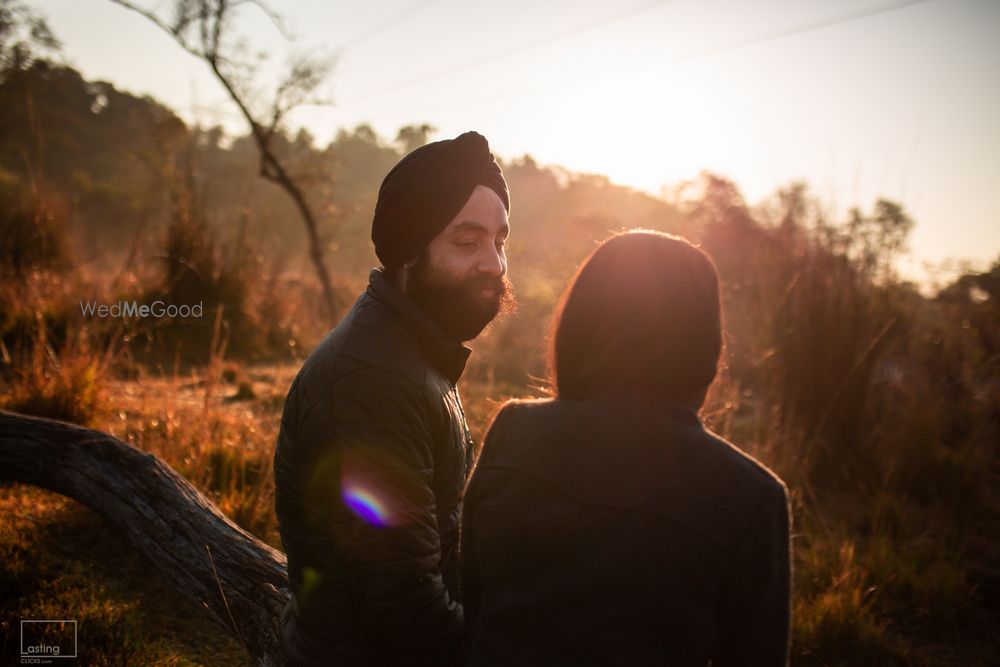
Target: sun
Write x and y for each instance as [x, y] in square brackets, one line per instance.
[644, 130]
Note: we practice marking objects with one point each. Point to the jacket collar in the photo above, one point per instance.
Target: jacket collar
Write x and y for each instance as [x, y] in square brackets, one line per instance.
[651, 402]
[446, 355]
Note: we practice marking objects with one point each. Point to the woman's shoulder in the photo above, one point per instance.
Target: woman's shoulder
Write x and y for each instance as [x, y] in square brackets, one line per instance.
[525, 431]
[544, 413]
[514, 412]
[744, 465]
[514, 408]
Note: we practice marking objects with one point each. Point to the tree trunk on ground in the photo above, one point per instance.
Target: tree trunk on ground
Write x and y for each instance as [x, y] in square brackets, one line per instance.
[238, 579]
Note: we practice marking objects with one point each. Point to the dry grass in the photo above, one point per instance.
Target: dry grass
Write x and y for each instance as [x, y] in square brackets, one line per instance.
[61, 560]
[61, 380]
[878, 580]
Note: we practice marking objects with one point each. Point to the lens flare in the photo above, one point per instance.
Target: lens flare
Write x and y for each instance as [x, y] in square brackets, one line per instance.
[366, 505]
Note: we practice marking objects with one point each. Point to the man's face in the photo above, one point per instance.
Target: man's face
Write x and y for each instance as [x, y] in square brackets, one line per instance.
[460, 279]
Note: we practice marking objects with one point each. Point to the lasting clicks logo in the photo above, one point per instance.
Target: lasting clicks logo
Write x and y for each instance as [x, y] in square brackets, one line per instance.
[44, 641]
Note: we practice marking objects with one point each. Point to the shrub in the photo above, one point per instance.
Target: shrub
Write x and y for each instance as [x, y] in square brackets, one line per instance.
[64, 381]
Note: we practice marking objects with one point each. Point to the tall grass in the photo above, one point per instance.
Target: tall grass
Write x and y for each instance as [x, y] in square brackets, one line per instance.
[872, 402]
[61, 380]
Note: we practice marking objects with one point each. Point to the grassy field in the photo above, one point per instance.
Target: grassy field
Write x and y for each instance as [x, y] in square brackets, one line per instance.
[892, 591]
[61, 560]
[878, 405]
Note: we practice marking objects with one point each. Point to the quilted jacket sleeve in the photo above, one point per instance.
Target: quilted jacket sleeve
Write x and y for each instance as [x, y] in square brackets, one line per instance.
[376, 425]
[758, 629]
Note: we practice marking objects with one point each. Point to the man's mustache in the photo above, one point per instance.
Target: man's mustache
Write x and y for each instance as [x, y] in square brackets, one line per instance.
[500, 284]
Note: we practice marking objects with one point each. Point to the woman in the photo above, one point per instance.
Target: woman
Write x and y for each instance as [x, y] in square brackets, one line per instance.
[606, 525]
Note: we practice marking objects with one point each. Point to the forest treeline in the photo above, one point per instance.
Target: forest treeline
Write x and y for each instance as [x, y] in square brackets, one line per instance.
[879, 404]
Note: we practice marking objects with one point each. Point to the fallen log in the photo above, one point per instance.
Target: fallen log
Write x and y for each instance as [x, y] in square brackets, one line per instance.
[241, 582]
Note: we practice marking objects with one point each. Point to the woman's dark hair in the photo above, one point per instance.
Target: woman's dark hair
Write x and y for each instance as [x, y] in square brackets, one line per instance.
[641, 313]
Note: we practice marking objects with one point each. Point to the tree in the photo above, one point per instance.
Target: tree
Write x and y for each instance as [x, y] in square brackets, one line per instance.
[412, 137]
[876, 240]
[241, 582]
[23, 35]
[203, 28]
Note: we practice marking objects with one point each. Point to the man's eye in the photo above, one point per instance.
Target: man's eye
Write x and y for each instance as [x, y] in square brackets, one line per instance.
[466, 244]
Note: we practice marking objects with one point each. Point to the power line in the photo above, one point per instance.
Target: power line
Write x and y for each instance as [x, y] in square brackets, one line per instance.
[195, 109]
[767, 36]
[806, 26]
[391, 21]
[594, 25]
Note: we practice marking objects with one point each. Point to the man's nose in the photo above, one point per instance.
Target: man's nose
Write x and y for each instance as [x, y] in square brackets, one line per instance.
[493, 262]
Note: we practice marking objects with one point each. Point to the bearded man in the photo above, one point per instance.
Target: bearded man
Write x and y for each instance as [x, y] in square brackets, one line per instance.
[374, 450]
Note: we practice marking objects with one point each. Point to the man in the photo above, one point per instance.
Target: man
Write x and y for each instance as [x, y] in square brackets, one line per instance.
[374, 450]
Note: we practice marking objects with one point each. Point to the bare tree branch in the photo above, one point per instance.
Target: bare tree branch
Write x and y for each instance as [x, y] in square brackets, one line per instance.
[211, 18]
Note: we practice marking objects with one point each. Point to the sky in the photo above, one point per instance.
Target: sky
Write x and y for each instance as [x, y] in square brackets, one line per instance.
[861, 99]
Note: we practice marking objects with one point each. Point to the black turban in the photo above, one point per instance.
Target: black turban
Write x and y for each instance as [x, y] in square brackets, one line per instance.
[426, 190]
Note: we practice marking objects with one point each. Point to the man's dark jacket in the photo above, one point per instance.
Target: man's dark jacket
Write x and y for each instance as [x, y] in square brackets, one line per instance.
[619, 531]
[370, 464]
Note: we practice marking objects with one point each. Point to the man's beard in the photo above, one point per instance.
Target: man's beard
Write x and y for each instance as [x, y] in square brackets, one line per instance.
[457, 308]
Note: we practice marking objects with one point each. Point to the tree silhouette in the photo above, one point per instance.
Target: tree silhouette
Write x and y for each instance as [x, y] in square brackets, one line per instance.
[204, 29]
[412, 137]
[24, 35]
